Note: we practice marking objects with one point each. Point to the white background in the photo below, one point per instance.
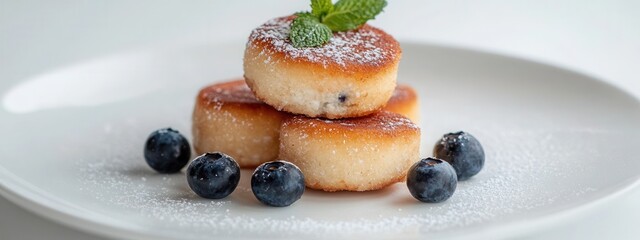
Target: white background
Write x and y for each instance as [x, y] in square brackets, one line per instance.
[596, 37]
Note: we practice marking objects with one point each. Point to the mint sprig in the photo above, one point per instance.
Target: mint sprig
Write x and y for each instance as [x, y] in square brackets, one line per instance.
[351, 14]
[307, 31]
[312, 29]
[320, 8]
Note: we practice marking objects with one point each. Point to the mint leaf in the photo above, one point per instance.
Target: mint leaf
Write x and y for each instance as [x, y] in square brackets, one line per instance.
[315, 28]
[306, 14]
[307, 31]
[351, 14]
[321, 7]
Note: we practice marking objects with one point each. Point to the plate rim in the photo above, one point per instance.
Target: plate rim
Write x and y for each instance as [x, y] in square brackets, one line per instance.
[50, 207]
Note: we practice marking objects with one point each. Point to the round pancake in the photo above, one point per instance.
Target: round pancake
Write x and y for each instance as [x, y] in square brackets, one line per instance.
[228, 118]
[352, 75]
[356, 154]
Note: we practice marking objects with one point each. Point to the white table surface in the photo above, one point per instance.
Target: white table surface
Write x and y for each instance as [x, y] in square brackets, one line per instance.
[597, 37]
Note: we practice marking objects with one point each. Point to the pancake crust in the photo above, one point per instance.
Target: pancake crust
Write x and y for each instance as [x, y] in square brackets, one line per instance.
[352, 75]
[357, 154]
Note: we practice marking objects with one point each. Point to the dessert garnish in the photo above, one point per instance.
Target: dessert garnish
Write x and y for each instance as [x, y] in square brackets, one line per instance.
[213, 175]
[167, 151]
[315, 28]
[277, 183]
[432, 180]
[462, 151]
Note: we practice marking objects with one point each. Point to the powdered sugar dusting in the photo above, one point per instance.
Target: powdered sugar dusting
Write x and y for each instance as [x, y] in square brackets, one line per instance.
[115, 176]
[365, 45]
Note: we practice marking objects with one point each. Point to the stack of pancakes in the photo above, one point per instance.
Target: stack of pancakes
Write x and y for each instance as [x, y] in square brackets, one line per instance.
[335, 111]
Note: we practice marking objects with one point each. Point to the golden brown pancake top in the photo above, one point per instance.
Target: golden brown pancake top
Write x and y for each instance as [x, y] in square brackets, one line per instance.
[379, 123]
[363, 49]
[235, 91]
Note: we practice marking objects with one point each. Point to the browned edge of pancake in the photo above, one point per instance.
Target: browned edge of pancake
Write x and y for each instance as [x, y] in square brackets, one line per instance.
[382, 124]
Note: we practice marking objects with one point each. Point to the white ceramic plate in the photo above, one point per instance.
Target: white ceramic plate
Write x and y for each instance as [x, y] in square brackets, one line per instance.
[556, 141]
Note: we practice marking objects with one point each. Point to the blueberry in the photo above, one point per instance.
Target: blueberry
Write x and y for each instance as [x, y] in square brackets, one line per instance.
[213, 175]
[277, 183]
[342, 97]
[167, 151]
[432, 180]
[462, 151]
